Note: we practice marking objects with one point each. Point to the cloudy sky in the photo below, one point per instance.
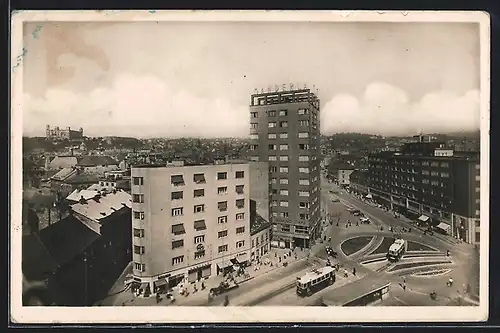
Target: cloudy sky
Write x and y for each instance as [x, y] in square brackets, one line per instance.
[166, 79]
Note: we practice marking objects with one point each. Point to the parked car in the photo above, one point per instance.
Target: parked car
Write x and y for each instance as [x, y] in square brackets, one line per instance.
[336, 200]
[356, 212]
[364, 220]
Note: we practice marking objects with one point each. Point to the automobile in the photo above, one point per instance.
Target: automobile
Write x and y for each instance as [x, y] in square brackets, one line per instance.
[336, 200]
[364, 220]
[330, 251]
[356, 212]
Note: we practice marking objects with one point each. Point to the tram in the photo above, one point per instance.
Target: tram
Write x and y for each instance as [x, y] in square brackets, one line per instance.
[396, 250]
[315, 280]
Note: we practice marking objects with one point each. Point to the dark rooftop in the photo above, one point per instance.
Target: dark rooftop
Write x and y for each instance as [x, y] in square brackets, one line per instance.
[93, 160]
[36, 260]
[67, 239]
[258, 224]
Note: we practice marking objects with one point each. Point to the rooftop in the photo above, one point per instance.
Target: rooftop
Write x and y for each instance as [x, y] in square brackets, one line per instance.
[67, 239]
[172, 164]
[311, 275]
[283, 97]
[96, 160]
[36, 260]
[103, 205]
[258, 224]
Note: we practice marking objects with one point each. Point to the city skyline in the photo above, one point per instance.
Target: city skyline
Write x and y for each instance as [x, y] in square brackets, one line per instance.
[421, 76]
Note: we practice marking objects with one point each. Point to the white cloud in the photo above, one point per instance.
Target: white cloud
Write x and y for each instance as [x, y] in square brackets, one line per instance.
[139, 106]
[385, 109]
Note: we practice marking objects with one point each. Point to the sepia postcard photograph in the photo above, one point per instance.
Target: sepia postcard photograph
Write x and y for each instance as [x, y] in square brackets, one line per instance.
[249, 166]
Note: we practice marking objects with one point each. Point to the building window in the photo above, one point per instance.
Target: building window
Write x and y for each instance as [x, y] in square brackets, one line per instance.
[304, 216]
[425, 172]
[222, 219]
[283, 203]
[304, 170]
[303, 146]
[177, 180]
[178, 229]
[303, 135]
[199, 193]
[200, 225]
[199, 178]
[274, 203]
[199, 209]
[254, 114]
[199, 239]
[139, 267]
[271, 136]
[221, 175]
[239, 174]
[138, 249]
[304, 123]
[284, 169]
[177, 260]
[222, 248]
[254, 158]
[239, 189]
[240, 203]
[272, 147]
[177, 211]
[240, 216]
[425, 181]
[434, 164]
[222, 190]
[177, 195]
[273, 180]
[273, 158]
[177, 244]
[444, 165]
[283, 135]
[304, 204]
[284, 215]
[240, 230]
[445, 174]
[254, 147]
[199, 254]
[222, 234]
[478, 167]
[284, 124]
[271, 124]
[284, 181]
[303, 193]
[273, 169]
[137, 180]
[222, 205]
[284, 147]
[303, 158]
[304, 182]
[283, 113]
[240, 244]
[138, 232]
[283, 192]
[302, 112]
[254, 136]
[434, 173]
[284, 158]
[139, 215]
[254, 125]
[272, 113]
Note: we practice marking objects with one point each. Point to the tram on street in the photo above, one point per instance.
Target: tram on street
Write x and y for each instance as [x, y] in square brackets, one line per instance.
[315, 280]
[396, 250]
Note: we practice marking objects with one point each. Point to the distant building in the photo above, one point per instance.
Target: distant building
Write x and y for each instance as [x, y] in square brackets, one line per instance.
[284, 131]
[189, 222]
[358, 182]
[63, 134]
[344, 171]
[431, 183]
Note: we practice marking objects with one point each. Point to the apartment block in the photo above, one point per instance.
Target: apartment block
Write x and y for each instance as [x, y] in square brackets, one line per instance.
[285, 133]
[434, 184]
[189, 222]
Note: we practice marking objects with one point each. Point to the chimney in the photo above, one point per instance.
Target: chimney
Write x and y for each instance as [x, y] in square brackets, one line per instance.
[82, 200]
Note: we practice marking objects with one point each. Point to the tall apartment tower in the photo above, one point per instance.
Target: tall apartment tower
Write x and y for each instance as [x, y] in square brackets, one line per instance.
[285, 132]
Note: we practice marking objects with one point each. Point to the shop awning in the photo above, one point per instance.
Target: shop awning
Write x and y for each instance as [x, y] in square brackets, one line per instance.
[444, 226]
[369, 196]
[160, 283]
[242, 257]
[423, 218]
[225, 264]
[144, 285]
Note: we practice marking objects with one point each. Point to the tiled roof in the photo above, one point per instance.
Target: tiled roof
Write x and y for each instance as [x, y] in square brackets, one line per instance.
[83, 178]
[64, 173]
[104, 206]
[36, 260]
[258, 224]
[67, 239]
[63, 162]
[92, 160]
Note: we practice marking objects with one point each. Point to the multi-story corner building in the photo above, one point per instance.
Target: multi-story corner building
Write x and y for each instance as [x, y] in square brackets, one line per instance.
[431, 183]
[285, 132]
[57, 133]
[189, 222]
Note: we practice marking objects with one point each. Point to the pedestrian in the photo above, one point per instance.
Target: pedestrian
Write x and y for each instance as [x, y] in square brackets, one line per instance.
[354, 271]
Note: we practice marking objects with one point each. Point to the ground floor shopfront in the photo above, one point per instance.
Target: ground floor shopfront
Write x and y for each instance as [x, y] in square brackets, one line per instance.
[150, 286]
[460, 227]
[293, 240]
